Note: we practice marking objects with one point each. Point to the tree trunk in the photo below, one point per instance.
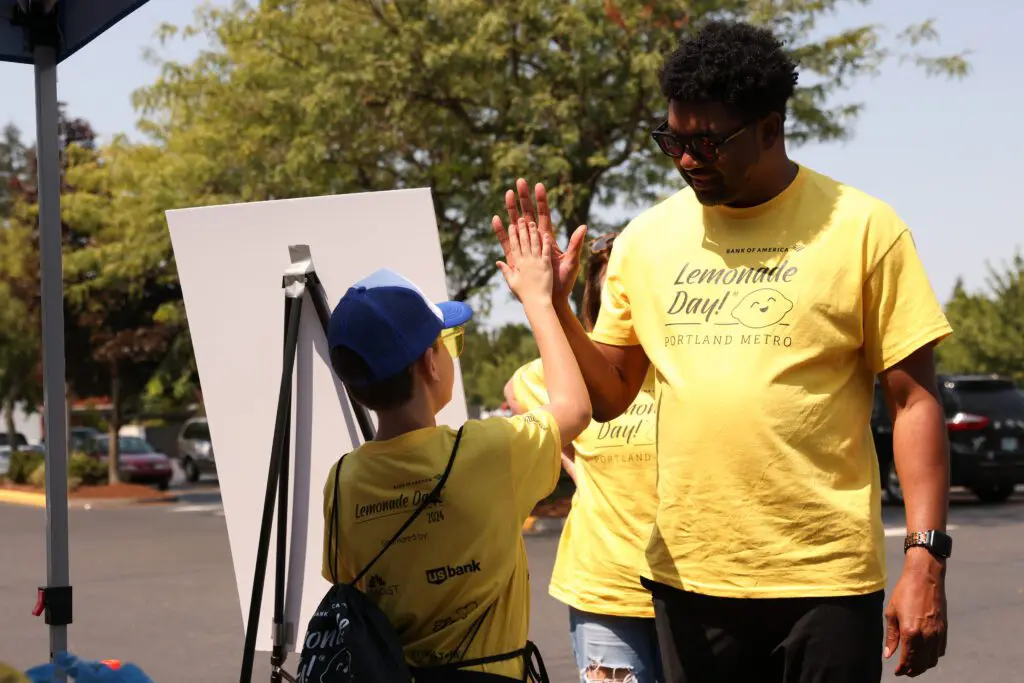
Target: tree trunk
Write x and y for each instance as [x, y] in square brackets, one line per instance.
[113, 451]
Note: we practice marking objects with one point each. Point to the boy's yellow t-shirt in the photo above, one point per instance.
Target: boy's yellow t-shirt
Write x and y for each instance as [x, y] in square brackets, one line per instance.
[601, 551]
[767, 327]
[455, 586]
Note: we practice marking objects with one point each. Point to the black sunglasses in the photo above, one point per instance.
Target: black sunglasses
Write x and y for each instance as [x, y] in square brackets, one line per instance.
[703, 148]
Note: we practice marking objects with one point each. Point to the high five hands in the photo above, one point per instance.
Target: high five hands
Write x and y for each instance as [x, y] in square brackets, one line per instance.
[565, 265]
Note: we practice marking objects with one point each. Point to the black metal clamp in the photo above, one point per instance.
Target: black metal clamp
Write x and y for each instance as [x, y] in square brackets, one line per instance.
[55, 601]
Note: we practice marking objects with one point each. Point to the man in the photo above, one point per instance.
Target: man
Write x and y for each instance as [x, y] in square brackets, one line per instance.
[769, 298]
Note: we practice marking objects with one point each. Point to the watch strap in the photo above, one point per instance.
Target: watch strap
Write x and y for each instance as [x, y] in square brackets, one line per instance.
[936, 542]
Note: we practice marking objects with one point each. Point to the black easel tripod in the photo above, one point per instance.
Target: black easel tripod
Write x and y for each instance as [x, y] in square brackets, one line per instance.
[299, 279]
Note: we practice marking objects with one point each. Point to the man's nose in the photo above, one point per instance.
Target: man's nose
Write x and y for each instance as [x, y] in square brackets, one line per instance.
[687, 162]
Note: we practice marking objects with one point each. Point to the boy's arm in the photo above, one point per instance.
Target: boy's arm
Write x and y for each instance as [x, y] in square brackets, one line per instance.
[568, 401]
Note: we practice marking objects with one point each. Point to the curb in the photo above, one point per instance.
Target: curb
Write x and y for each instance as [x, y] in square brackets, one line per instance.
[38, 500]
[35, 500]
[540, 526]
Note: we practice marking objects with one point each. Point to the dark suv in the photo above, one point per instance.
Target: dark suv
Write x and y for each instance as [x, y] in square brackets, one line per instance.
[985, 419]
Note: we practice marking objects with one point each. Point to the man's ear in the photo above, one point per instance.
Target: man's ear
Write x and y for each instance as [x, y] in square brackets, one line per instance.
[772, 128]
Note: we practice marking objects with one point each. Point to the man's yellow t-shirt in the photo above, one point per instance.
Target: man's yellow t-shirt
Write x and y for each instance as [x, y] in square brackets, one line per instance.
[455, 586]
[601, 551]
[767, 327]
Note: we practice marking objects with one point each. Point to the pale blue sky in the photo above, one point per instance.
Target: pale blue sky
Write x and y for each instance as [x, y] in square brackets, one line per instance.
[941, 152]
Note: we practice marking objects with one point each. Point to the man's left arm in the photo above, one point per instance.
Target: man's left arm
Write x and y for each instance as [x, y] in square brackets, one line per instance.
[903, 321]
[916, 615]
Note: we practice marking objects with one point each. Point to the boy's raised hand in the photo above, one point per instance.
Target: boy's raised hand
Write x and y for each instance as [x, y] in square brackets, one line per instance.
[528, 269]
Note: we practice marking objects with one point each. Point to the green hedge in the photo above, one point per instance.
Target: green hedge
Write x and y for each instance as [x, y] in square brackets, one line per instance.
[89, 470]
[28, 467]
[23, 464]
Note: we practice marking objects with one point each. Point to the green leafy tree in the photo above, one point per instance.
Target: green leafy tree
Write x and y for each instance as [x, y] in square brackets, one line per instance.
[119, 283]
[309, 97]
[122, 194]
[490, 358]
[19, 319]
[19, 357]
[988, 326]
[19, 260]
[13, 167]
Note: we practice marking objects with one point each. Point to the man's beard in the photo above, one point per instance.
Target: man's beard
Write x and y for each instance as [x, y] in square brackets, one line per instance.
[714, 193]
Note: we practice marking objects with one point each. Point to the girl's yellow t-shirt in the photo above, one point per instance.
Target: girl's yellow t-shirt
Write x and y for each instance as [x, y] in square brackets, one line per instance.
[601, 553]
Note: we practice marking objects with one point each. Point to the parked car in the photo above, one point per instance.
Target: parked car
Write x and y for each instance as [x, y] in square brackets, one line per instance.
[138, 461]
[195, 449]
[985, 421]
[19, 440]
[80, 437]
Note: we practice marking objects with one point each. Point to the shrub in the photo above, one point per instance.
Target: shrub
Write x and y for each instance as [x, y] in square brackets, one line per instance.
[87, 469]
[38, 476]
[23, 464]
[82, 469]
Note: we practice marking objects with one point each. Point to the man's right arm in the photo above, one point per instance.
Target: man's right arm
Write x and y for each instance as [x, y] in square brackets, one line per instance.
[613, 374]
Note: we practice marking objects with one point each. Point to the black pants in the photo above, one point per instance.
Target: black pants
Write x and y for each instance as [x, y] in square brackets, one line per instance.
[706, 639]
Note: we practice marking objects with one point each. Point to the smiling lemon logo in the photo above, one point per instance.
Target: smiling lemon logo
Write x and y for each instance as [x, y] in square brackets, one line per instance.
[762, 308]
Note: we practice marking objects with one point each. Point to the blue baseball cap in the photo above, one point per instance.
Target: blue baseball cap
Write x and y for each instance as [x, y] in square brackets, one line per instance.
[390, 323]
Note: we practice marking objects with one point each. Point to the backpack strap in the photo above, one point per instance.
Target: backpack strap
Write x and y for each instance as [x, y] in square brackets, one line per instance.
[432, 497]
[534, 670]
[334, 533]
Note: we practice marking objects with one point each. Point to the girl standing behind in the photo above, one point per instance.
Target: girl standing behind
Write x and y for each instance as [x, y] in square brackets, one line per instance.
[602, 548]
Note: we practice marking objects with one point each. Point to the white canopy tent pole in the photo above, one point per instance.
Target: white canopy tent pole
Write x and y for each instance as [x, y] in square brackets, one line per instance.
[54, 391]
[54, 384]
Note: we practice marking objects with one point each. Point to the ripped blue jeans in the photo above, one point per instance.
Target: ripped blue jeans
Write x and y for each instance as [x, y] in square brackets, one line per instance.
[615, 649]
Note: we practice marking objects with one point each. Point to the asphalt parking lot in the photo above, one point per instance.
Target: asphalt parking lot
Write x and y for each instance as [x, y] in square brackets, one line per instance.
[155, 585]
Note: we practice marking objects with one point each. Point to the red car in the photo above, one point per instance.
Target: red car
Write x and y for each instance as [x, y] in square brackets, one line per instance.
[138, 462]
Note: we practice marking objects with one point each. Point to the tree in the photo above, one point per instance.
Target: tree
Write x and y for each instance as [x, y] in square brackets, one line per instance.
[988, 327]
[299, 98]
[19, 358]
[13, 167]
[19, 319]
[19, 259]
[490, 358]
[120, 281]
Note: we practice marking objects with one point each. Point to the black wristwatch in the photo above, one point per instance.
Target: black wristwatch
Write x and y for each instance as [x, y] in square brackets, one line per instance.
[936, 542]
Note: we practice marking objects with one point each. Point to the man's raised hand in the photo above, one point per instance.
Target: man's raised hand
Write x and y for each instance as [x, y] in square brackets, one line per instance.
[565, 264]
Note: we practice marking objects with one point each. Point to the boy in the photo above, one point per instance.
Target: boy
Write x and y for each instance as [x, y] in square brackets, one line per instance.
[455, 586]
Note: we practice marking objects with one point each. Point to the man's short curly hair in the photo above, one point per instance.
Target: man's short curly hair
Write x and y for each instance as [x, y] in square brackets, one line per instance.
[741, 66]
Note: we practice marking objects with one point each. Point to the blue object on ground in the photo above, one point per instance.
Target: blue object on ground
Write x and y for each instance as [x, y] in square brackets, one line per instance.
[85, 671]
